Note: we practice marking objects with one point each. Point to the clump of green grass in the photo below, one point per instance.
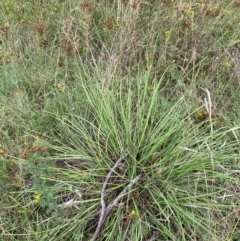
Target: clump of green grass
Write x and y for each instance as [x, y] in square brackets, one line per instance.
[186, 183]
[185, 170]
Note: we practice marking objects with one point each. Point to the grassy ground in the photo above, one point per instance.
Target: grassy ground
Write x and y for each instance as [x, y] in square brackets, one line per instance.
[84, 83]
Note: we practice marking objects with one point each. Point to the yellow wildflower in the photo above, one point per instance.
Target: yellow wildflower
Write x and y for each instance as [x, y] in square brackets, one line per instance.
[133, 213]
[201, 115]
[21, 21]
[167, 32]
[37, 197]
[25, 142]
[36, 141]
[188, 6]
[109, 24]
[150, 88]
[55, 9]
[191, 12]
[150, 57]
[226, 64]
[37, 138]
[7, 60]
[1, 151]
[227, 12]
[60, 87]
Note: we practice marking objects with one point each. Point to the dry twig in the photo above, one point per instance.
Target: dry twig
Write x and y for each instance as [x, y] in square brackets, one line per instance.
[106, 210]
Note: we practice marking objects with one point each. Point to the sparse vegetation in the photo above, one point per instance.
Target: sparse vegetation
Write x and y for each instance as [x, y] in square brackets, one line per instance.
[84, 83]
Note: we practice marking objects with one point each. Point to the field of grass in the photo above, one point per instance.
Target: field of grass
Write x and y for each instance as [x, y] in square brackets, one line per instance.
[119, 120]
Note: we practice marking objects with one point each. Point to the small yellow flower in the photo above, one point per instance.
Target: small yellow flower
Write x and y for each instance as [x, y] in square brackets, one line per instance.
[201, 115]
[60, 87]
[188, 6]
[109, 24]
[37, 197]
[21, 21]
[226, 64]
[150, 57]
[1, 151]
[37, 138]
[86, 17]
[36, 141]
[191, 12]
[7, 60]
[133, 213]
[227, 12]
[25, 143]
[189, 9]
[150, 88]
[167, 32]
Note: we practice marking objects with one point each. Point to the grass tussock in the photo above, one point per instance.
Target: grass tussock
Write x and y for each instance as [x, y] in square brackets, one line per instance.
[84, 83]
